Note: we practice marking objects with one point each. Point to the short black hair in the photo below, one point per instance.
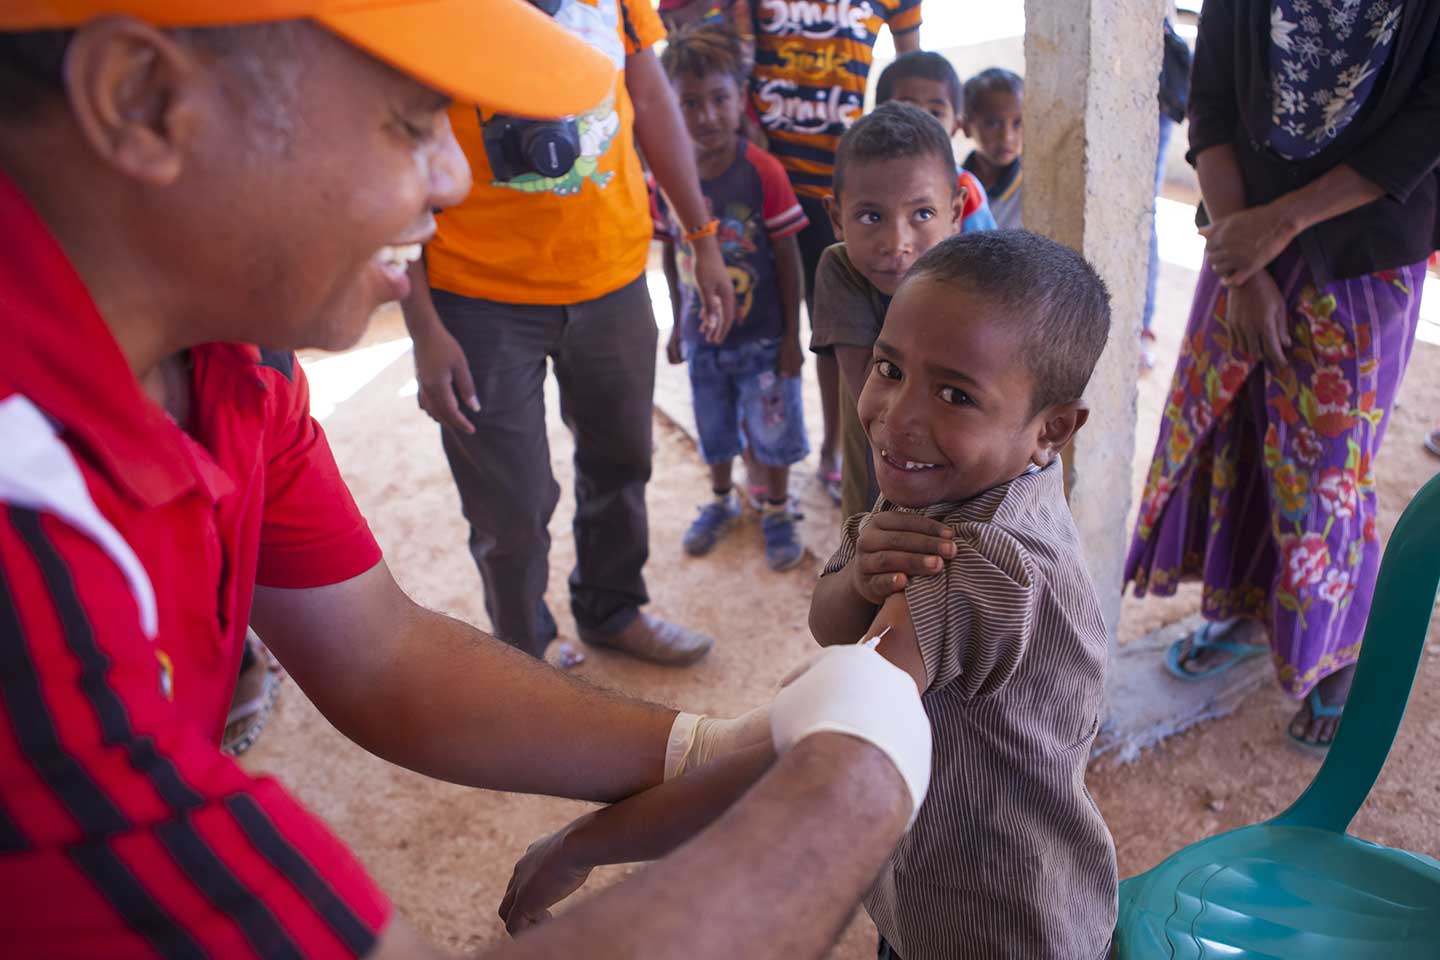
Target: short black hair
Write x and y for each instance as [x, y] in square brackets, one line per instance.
[891, 131]
[994, 80]
[32, 70]
[925, 65]
[702, 49]
[1051, 292]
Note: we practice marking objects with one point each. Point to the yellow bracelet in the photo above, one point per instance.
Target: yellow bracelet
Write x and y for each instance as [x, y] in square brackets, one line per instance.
[708, 230]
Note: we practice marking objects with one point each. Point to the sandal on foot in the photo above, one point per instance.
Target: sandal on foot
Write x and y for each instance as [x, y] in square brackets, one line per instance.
[1432, 442]
[1318, 708]
[830, 480]
[1201, 640]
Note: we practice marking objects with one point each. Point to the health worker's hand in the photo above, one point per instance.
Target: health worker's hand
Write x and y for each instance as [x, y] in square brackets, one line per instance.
[542, 878]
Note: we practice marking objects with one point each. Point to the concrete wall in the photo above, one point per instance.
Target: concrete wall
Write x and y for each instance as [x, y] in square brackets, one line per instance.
[1090, 140]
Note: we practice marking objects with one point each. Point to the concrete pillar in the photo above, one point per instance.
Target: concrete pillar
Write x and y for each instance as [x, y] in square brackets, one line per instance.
[1091, 119]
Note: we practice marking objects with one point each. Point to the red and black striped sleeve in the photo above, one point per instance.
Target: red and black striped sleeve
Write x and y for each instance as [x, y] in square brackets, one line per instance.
[124, 831]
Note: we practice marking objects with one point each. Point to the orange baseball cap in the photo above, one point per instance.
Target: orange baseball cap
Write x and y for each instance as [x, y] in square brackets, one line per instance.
[504, 55]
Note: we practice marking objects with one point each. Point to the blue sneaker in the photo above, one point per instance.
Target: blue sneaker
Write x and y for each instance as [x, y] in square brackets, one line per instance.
[715, 520]
[782, 546]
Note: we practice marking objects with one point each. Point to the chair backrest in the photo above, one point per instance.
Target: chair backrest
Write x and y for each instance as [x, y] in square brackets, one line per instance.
[1394, 642]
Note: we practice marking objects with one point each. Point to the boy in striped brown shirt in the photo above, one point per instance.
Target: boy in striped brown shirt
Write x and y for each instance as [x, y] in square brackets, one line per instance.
[970, 564]
[972, 561]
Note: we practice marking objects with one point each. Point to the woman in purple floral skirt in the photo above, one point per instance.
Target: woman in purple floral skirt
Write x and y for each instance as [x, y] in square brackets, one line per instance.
[1315, 132]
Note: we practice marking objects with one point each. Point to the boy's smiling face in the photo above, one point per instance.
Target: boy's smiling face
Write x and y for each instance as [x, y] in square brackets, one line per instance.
[946, 406]
[932, 96]
[891, 211]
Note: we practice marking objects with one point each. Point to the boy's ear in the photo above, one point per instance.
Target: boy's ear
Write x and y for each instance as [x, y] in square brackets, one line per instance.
[832, 207]
[1058, 426]
[957, 207]
[964, 124]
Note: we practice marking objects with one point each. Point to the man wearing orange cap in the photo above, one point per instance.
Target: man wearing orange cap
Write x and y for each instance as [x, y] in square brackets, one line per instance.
[544, 264]
[180, 179]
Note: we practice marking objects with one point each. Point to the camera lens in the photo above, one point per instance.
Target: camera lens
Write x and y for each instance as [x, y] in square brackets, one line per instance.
[550, 148]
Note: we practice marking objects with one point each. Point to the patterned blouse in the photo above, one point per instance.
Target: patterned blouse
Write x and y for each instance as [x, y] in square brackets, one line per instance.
[1324, 58]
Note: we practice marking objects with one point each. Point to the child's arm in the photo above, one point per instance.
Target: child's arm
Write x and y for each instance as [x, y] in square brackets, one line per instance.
[672, 280]
[906, 41]
[899, 644]
[741, 15]
[854, 367]
[790, 273]
[877, 560]
[838, 613]
[645, 827]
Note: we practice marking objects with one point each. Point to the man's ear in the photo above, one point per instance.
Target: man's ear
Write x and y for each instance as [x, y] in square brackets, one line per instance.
[957, 207]
[1058, 426]
[832, 207]
[133, 93]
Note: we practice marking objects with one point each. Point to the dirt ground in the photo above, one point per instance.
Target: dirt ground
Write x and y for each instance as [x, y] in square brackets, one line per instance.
[445, 852]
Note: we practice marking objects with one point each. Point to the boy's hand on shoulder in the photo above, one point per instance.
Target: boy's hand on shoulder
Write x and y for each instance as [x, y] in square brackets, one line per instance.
[543, 877]
[892, 548]
[792, 358]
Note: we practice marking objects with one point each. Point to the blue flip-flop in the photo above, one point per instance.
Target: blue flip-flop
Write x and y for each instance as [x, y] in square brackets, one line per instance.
[1201, 640]
[1318, 708]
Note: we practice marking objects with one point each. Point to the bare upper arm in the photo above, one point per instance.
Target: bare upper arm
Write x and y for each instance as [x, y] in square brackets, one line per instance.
[326, 636]
[787, 251]
[854, 367]
[900, 645]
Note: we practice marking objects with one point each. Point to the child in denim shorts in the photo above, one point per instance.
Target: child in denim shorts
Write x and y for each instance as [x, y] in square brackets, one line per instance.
[744, 381]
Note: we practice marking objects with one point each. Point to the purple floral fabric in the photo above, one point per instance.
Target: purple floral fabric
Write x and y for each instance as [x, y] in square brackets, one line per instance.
[1262, 481]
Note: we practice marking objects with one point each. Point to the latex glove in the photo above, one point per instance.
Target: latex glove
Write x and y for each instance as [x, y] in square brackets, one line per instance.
[696, 740]
[855, 691]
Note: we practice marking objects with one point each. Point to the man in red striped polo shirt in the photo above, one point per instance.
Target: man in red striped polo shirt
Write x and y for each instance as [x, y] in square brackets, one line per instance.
[180, 179]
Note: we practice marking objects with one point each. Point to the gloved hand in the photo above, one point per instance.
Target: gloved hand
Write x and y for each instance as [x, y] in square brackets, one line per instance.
[855, 691]
[696, 740]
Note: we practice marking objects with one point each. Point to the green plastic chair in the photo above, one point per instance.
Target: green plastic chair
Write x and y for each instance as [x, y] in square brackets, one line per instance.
[1299, 886]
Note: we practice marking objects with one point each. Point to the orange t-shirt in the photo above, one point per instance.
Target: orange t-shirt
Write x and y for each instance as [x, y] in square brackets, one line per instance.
[564, 240]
